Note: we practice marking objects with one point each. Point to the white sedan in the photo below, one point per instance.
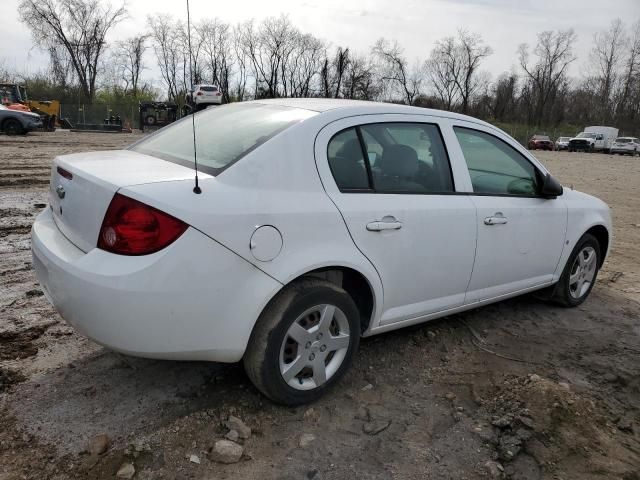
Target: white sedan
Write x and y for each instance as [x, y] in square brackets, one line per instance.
[626, 145]
[319, 222]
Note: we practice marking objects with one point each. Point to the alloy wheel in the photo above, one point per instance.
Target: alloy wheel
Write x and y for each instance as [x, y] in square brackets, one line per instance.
[314, 347]
[583, 272]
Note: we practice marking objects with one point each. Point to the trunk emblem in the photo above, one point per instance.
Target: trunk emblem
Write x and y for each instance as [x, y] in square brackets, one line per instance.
[60, 191]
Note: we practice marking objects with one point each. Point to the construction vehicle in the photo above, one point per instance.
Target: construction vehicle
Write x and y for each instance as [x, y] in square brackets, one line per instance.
[14, 97]
[157, 114]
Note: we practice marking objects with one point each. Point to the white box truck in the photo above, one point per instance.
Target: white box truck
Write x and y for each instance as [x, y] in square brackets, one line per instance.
[591, 139]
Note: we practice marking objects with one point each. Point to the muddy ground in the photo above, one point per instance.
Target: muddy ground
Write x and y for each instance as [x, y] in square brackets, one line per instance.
[521, 389]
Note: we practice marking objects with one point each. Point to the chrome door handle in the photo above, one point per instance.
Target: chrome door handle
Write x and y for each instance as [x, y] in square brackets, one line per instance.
[379, 226]
[498, 219]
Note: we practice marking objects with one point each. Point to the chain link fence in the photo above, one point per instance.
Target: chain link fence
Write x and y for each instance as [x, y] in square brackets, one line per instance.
[98, 114]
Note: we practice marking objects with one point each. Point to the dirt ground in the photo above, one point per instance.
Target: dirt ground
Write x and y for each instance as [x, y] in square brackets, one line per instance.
[520, 389]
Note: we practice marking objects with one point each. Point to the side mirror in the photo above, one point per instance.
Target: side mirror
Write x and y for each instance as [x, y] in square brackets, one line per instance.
[551, 188]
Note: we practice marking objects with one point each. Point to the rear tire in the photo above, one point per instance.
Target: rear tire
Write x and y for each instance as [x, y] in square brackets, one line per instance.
[303, 342]
[580, 273]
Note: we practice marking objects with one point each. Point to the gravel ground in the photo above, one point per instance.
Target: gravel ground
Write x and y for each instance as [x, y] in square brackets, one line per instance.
[520, 389]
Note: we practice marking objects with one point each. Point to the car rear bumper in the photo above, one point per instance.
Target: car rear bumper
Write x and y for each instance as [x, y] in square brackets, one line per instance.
[194, 300]
[629, 151]
[209, 100]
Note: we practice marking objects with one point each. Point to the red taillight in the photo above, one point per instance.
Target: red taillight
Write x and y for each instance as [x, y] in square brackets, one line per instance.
[132, 228]
[218, 94]
[199, 93]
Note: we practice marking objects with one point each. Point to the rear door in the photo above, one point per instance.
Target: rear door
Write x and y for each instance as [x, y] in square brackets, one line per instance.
[391, 179]
[520, 234]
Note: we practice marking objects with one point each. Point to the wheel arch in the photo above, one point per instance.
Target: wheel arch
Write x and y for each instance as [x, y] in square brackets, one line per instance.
[602, 235]
[365, 291]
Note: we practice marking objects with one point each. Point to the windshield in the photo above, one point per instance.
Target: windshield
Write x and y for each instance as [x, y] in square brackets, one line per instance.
[563, 139]
[223, 134]
[623, 140]
[586, 135]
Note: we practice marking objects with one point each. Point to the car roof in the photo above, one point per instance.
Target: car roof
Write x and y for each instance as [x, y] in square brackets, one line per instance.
[362, 107]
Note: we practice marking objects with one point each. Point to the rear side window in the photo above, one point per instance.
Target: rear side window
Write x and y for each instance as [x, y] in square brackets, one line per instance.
[223, 135]
[494, 166]
[399, 157]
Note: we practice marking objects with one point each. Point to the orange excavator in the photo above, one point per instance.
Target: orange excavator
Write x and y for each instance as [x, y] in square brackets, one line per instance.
[14, 97]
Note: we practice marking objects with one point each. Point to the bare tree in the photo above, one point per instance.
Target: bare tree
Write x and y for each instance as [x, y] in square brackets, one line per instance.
[630, 76]
[444, 67]
[605, 58]
[217, 48]
[394, 69]
[268, 48]
[167, 49]
[240, 84]
[304, 63]
[359, 80]
[80, 27]
[471, 50]
[129, 58]
[332, 73]
[554, 52]
[504, 97]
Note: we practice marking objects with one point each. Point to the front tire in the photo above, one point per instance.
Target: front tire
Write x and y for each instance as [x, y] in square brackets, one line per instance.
[580, 273]
[303, 342]
[13, 127]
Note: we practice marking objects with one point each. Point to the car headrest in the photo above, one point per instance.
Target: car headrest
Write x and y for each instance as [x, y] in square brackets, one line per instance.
[350, 150]
[399, 161]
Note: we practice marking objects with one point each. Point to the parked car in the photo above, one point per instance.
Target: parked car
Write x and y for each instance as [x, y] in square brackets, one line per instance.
[318, 222]
[593, 139]
[540, 142]
[562, 143]
[206, 95]
[18, 122]
[626, 145]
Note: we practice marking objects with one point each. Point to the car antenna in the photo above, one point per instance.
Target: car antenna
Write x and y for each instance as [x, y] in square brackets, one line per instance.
[196, 188]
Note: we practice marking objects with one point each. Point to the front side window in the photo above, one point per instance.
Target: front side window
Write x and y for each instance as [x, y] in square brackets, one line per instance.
[495, 167]
[223, 135]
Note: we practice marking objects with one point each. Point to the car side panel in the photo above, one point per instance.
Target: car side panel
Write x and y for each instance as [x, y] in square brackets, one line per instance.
[275, 185]
[584, 212]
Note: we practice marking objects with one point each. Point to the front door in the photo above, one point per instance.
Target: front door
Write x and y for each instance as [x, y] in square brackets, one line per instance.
[520, 234]
[392, 182]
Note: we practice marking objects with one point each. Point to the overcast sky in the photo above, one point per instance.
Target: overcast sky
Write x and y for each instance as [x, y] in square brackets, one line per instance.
[416, 24]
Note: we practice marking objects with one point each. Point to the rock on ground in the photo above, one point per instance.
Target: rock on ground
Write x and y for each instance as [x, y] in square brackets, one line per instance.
[226, 451]
[234, 423]
[126, 470]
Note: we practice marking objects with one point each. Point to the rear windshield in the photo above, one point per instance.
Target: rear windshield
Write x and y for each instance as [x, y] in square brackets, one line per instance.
[223, 134]
[209, 89]
[540, 137]
[623, 140]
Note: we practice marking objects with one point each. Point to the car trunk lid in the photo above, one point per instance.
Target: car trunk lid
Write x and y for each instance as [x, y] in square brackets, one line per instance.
[82, 186]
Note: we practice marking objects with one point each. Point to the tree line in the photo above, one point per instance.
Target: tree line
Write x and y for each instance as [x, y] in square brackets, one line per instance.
[273, 58]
